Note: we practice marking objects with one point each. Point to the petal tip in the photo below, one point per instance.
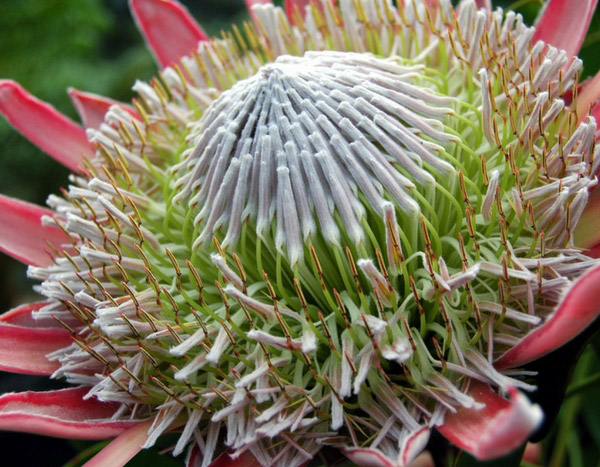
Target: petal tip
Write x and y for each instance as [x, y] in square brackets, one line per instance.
[44, 126]
[168, 28]
[495, 430]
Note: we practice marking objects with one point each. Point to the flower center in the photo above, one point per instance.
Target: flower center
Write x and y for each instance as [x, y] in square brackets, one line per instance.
[325, 130]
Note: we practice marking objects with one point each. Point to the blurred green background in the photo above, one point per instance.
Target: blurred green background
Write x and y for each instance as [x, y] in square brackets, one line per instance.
[93, 45]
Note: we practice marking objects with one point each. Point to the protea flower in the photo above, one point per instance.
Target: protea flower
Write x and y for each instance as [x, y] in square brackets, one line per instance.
[344, 223]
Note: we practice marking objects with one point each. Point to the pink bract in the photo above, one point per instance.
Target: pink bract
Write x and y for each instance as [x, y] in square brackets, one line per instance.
[62, 413]
[41, 124]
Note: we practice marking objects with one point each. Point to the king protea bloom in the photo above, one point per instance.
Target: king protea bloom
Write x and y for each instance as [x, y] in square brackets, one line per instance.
[343, 223]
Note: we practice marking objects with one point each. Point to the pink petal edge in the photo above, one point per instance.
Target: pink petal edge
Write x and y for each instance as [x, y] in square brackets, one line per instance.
[291, 6]
[22, 316]
[23, 350]
[596, 112]
[487, 4]
[123, 448]
[589, 99]
[92, 108]
[246, 459]
[495, 430]
[22, 235]
[25, 341]
[368, 457]
[594, 252]
[411, 452]
[62, 413]
[414, 444]
[587, 234]
[44, 126]
[564, 23]
[575, 312]
[170, 31]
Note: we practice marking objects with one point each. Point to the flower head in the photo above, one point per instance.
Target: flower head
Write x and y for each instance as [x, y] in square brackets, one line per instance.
[343, 224]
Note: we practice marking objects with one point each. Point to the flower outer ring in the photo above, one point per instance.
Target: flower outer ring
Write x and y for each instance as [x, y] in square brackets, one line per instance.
[295, 257]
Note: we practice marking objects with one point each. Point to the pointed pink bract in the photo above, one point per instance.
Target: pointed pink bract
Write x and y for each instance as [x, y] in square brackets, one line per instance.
[576, 311]
[44, 126]
[92, 107]
[564, 23]
[495, 430]
[22, 235]
[170, 31]
[62, 413]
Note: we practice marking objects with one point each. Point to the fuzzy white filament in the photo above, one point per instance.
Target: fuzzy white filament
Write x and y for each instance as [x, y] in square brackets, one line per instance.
[313, 133]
